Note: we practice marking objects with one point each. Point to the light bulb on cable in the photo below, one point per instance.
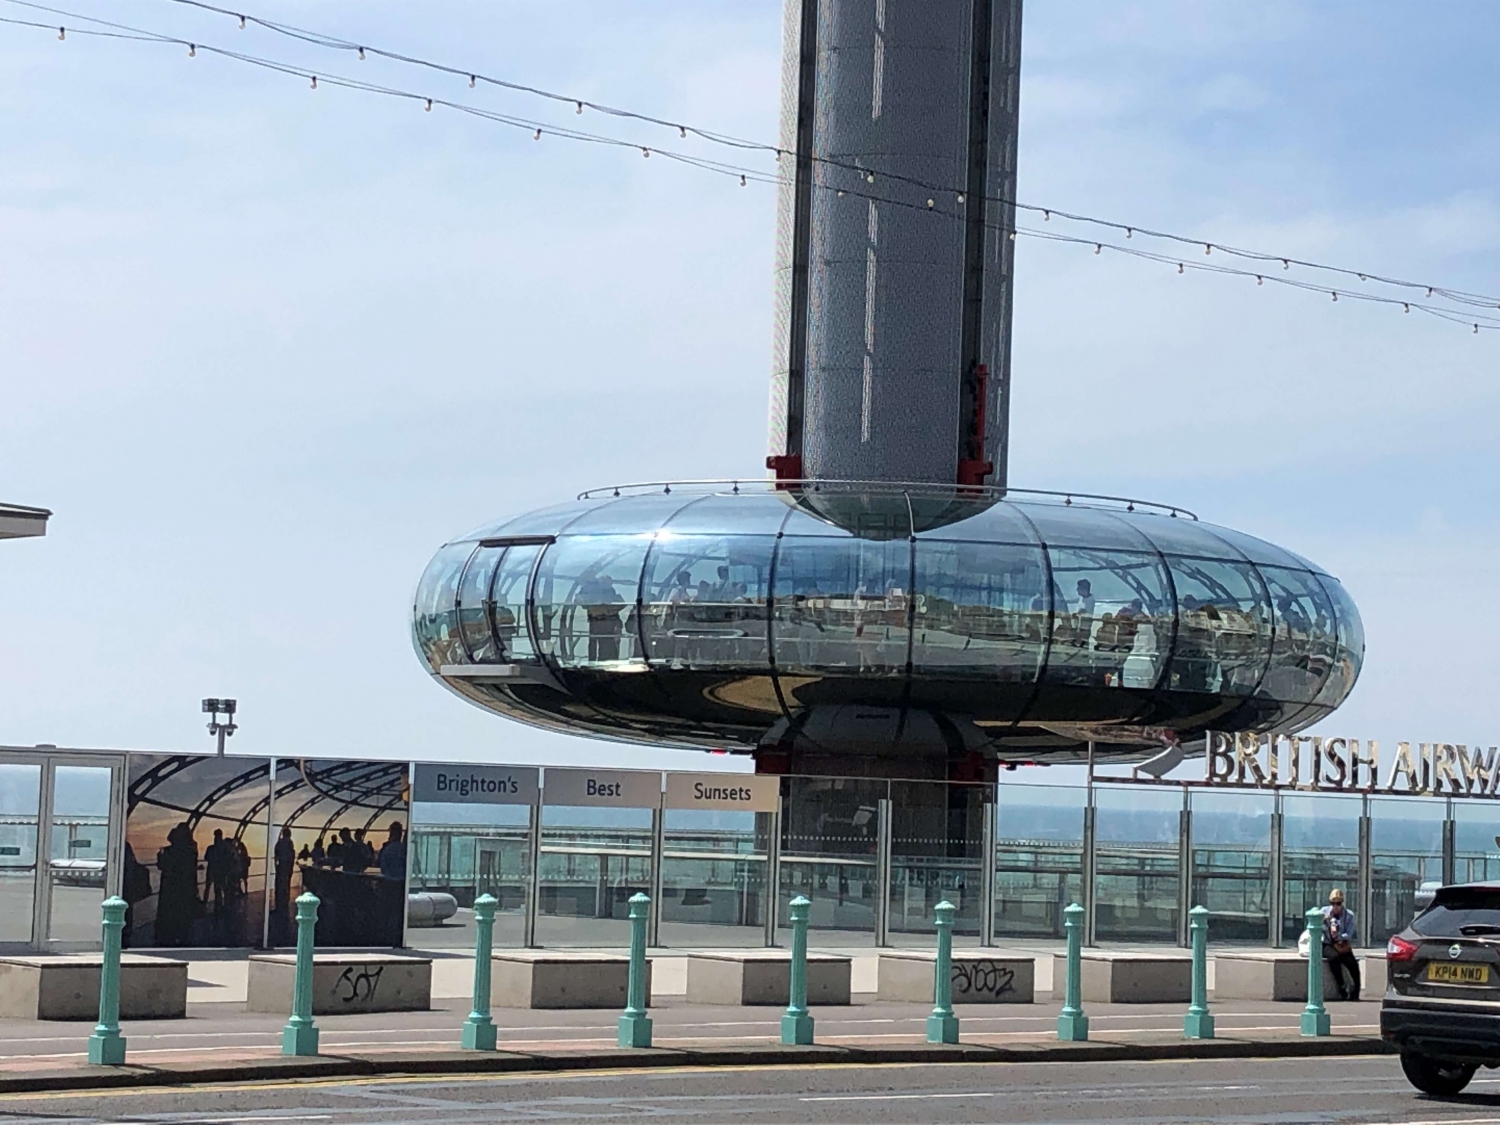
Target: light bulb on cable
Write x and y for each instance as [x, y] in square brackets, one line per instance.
[1429, 291]
[869, 177]
[1335, 296]
[961, 197]
[1179, 267]
[579, 107]
[471, 81]
[1286, 265]
[1405, 307]
[682, 131]
[1259, 280]
[537, 136]
[428, 106]
[242, 23]
[1476, 329]
[314, 81]
[361, 54]
[1098, 246]
[192, 50]
[742, 179]
[1208, 247]
[1046, 215]
[1128, 232]
[62, 33]
[929, 204]
[646, 152]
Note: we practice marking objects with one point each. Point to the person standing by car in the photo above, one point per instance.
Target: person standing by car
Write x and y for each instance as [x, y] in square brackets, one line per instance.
[1339, 936]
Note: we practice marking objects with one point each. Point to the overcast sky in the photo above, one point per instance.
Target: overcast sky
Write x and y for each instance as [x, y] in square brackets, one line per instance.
[264, 348]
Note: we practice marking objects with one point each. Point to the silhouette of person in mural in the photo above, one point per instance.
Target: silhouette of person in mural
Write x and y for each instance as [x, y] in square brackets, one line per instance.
[136, 884]
[219, 861]
[177, 896]
[393, 853]
[286, 861]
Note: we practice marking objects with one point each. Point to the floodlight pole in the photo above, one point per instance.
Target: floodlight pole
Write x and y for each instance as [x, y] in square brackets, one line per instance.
[225, 729]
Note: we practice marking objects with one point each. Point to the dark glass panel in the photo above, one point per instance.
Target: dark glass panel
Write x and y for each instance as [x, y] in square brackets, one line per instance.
[585, 596]
[508, 602]
[704, 601]
[1351, 645]
[842, 604]
[1180, 535]
[999, 523]
[543, 521]
[1077, 526]
[473, 592]
[434, 615]
[629, 515]
[1224, 627]
[1112, 622]
[748, 513]
[1260, 552]
[981, 610]
[1305, 644]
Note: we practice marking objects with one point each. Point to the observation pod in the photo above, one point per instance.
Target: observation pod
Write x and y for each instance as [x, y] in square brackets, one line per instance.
[925, 626]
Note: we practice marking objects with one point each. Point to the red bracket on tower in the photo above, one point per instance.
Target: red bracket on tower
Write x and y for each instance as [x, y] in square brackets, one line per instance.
[973, 470]
[786, 466]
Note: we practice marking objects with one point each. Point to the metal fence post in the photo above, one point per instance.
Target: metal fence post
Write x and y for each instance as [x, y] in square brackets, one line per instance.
[1072, 1024]
[796, 1023]
[635, 1024]
[942, 1025]
[1090, 873]
[107, 1045]
[1315, 1017]
[1184, 871]
[771, 893]
[658, 873]
[1276, 890]
[1198, 1023]
[533, 873]
[300, 1036]
[987, 871]
[479, 1028]
[883, 871]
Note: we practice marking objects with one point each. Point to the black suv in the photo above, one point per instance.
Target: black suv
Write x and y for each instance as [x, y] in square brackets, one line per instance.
[1442, 1007]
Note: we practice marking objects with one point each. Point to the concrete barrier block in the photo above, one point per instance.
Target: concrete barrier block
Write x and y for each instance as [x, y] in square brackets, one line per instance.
[66, 987]
[553, 978]
[978, 976]
[1274, 974]
[343, 983]
[1110, 977]
[763, 977]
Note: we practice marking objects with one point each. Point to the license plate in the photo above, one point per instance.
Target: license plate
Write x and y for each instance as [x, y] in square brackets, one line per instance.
[1458, 974]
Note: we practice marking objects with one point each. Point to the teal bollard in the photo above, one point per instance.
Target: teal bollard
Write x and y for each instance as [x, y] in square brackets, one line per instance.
[1198, 1023]
[797, 1023]
[107, 1045]
[1072, 1024]
[1315, 1019]
[635, 1024]
[300, 1037]
[479, 1028]
[942, 1025]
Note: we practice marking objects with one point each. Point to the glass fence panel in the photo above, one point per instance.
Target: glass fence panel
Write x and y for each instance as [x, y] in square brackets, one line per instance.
[1038, 857]
[937, 845]
[80, 851]
[713, 885]
[1320, 851]
[1406, 850]
[464, 851]
[1231, 838]
[828, 853]
[1137, 864]
[1476, 846]
[592, 861]
[20, 805]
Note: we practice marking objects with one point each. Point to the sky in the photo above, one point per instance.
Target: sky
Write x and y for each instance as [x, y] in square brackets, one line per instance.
[263, 348]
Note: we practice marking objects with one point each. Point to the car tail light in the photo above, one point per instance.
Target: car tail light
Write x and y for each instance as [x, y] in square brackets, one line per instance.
[1399, 949]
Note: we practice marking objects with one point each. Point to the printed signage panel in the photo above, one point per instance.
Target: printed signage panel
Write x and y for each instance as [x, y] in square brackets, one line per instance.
[619, 789]
[476, 785]
[723, 791]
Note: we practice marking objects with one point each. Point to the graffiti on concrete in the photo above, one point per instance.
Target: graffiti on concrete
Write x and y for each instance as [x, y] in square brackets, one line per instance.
[357, 987]
[984, 979]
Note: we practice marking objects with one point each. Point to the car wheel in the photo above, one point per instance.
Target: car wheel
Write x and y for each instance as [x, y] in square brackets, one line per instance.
[1435, 1076]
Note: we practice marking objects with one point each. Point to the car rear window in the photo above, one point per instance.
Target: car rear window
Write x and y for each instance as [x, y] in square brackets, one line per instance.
[1456, 910]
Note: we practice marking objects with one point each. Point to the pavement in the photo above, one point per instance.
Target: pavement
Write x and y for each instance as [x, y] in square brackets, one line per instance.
[222, 1042]
[1253, 1091]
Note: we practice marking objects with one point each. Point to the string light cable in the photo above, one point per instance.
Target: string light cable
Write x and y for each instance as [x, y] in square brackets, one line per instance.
[684, 130]
[745, 175]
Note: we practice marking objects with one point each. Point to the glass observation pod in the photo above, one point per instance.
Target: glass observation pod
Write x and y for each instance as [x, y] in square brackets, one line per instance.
[851, 618]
